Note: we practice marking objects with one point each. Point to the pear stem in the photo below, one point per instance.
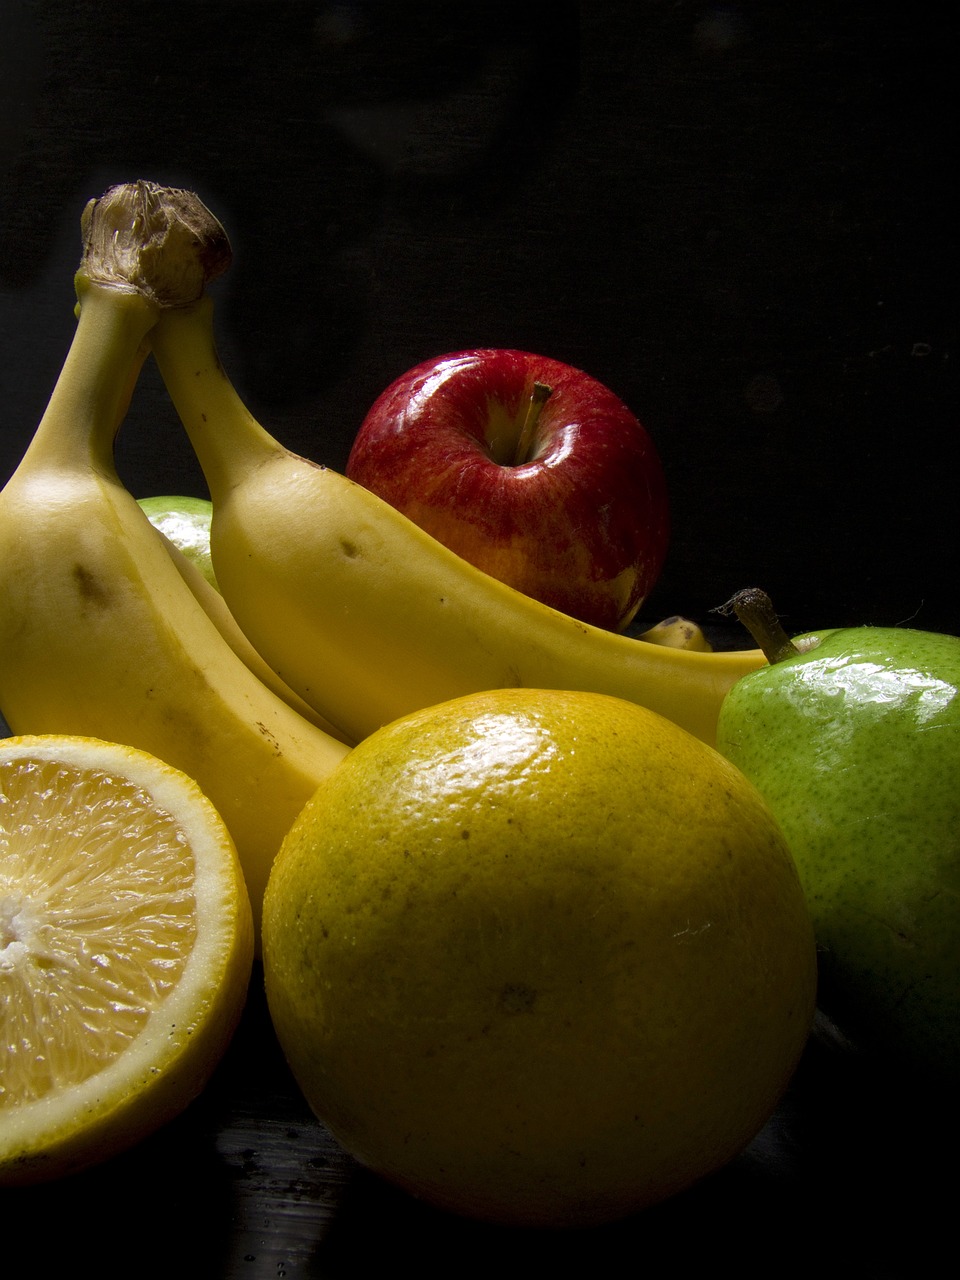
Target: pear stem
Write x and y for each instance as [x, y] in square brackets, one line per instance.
[539, 395]
[754, 609]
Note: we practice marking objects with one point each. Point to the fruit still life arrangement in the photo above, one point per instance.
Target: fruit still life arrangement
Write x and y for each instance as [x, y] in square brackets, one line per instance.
[544, 908]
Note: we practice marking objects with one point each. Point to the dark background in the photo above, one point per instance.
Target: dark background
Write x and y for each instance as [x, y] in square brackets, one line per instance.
[740, 217]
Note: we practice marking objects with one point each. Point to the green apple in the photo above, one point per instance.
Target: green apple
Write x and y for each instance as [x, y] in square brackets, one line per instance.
[853, 737]
[186, 522]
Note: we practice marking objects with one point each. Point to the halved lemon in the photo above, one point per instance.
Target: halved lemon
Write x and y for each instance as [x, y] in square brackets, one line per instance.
[126, 947]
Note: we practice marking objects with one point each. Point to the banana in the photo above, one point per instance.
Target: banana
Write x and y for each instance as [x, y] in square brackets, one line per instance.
[215, 607]
[678, 633]
[362, 613]
[100, 632]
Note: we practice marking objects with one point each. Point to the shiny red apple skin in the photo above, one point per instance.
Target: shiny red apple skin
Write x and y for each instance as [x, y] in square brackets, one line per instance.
[582, 526]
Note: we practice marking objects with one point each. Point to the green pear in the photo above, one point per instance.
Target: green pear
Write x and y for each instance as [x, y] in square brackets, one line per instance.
[852, 736]
[186, 522]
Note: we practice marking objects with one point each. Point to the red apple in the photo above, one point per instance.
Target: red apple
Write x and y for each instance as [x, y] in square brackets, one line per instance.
[530, 469]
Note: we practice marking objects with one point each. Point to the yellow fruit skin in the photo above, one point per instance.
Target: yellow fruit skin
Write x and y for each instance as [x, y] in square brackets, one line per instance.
[365, 615]
[100, 634]
[677, 633]
[540, 958]
[187, 1048]
[215, 607]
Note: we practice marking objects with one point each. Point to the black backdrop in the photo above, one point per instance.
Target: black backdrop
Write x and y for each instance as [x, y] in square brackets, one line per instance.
[739, 217]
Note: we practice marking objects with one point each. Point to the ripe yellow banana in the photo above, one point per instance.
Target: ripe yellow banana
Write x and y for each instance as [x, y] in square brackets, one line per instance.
[100, 633]
[677, 633]
[215, 607]
[364, 614]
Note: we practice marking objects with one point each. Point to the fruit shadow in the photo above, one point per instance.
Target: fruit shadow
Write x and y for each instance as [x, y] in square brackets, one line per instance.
[845, 1179]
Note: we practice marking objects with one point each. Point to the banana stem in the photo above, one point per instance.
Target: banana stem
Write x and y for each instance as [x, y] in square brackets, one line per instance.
[93, 390]
[162, 246]
[145, 248]
[160, 241]
[226, 438]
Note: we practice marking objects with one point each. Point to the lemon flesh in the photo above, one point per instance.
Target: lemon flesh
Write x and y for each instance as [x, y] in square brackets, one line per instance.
[541, 958]
[125, 950]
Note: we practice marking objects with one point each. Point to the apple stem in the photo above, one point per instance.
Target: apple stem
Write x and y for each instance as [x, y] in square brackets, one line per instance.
[539, 395]
[754, 608]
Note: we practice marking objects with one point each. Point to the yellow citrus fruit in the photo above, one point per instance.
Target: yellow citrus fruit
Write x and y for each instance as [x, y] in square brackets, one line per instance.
[541, 958]
[126, 948]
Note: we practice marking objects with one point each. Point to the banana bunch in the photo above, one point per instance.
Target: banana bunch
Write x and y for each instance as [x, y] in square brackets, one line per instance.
[362, 613]
[105, 629]
[336, 614]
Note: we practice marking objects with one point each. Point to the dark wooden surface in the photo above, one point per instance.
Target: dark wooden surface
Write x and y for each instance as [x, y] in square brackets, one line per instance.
[741, 218]
[850, 1178]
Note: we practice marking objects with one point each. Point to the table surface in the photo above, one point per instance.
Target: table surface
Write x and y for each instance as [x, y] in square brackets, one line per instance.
[852, 1176]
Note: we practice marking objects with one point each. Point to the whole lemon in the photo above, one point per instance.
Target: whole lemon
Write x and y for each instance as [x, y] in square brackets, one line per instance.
[541, 958]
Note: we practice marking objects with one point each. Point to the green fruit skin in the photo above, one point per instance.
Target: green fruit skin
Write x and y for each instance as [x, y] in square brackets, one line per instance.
[186, 522]
[855, 745]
